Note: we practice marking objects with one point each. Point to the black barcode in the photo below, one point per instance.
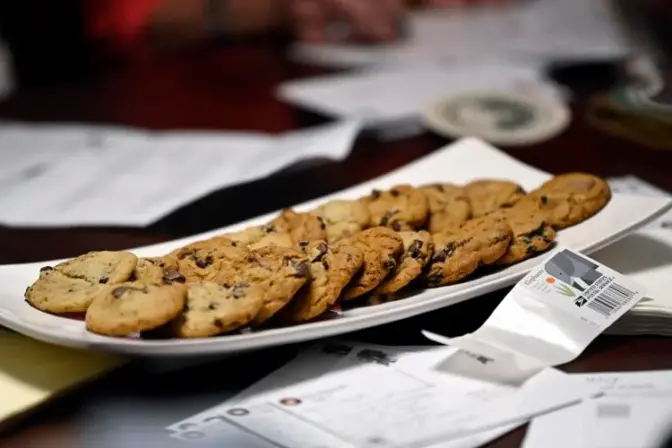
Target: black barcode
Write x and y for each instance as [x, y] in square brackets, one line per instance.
[611, 299]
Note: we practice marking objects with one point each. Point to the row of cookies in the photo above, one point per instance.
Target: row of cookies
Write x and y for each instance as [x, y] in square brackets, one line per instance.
[298, 265]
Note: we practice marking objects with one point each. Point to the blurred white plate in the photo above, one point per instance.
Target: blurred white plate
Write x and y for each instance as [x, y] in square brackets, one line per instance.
[461, 162]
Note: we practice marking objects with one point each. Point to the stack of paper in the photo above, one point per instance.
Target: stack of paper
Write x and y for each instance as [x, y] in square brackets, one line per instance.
[645, 256]
[86, 175]
[635, 411]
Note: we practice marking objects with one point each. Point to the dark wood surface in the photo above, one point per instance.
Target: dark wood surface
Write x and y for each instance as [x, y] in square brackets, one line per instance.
[232, 88]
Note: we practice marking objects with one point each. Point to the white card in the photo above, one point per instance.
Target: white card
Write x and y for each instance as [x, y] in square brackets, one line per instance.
[635, 411]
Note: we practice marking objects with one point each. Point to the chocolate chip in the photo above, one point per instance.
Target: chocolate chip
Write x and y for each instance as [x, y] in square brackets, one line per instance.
[303, 244]
[46, 269]
[212, 306]
[435, 278]
[531, 250]
[390, 264]
[386, 217]
[234, 243]
[204, 262]
[103, 280]
[268, 228]
[394, 192]
[218, 323]
[396, 226]
[444, 253]
[375, 194]
[325, 264]
[539, 231]
[301, 270]
[414, 248]
[544, 200]
[321, 252]
[322, 224]
[171, 275]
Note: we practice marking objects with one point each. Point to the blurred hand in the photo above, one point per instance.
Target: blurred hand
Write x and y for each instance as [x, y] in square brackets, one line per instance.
[369, 20]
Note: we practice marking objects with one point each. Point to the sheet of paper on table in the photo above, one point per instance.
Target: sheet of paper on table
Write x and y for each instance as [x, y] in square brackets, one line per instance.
[644, 256]
[342, 394]
[32, 372]
[542, 30]
[635, 411]
[387, 98]
[87, 175]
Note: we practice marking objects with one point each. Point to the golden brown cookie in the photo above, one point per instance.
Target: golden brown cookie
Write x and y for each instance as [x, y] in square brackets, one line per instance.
[351, 259]
[213, 308]
[100, 267]
[480, 241]
[157, 271]
[71, 286]
[343, 218]
[325, 286]
[418, 250]
[133, 307]
[205, 261]
[401, 208]
[55, 292]
[569, 199]
[300, 226]
[448, 206]
[279, 271]
[381, 248]
[488, 195]
[532, 235]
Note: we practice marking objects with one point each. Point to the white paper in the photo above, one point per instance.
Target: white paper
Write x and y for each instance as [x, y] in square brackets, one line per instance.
[384, 396]
[644, 256]
[635, 412]
[91, 176]
[542, 30]
[388, 96]
[550, 316]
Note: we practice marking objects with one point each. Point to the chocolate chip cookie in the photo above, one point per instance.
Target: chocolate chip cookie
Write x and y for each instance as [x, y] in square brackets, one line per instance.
[214, 308]
[532, 235]
[488, 195]
[325, 286]
[401, 208]
[381, 248]
[300, 226]
[71, 286]
[343, 218]
[569, 199]
[448, 206]
[203, 262]
[279, 271]
[133, 307]
[477, 242]
[418, 249]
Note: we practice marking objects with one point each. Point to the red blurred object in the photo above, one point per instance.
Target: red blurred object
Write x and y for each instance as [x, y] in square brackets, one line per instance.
[119, 22]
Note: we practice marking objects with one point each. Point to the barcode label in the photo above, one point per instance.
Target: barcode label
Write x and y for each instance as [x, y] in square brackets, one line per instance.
[611, 299]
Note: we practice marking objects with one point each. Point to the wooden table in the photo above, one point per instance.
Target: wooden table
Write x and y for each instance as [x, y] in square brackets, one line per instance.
[232, 88]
